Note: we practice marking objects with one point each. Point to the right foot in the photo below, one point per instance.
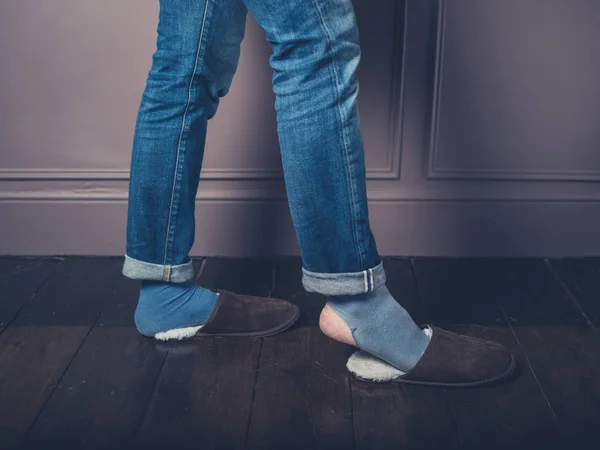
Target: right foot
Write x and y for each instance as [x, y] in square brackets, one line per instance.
[178, 311]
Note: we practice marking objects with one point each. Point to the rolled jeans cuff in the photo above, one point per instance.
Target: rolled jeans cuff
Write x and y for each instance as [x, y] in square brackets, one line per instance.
[346, 283]
[141, 270]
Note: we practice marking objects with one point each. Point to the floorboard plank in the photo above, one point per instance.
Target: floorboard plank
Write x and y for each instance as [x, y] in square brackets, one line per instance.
[561, 348]
[75, 373]
[203, 397]
[39, 345]
[581, 276]
[32, 361]
[465, 295]
[248, 276]
[101, 399]
[457, 291]
[534, 296]
[75, 294]
[20, 279]
[302, 397]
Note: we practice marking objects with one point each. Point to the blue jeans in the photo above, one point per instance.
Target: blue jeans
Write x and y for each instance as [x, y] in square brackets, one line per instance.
[315, 56]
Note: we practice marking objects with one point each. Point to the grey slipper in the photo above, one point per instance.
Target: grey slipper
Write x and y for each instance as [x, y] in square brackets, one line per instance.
[450, 360]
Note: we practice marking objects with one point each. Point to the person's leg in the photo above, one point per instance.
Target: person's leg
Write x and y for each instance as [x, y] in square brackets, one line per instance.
[197, 54]
[315, 56]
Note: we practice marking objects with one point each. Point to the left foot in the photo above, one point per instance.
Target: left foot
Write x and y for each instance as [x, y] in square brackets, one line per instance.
[375, 322]
[450, 361]
[333, 326]
[447, 359]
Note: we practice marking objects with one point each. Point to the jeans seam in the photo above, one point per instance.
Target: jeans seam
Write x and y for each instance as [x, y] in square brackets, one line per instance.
[177, 165]
[350, 282]
[343, 131]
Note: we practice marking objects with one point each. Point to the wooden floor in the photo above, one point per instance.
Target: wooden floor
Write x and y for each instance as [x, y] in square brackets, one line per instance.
[74, 372]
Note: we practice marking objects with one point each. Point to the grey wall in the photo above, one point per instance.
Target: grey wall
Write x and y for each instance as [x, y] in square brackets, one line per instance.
[480, 122]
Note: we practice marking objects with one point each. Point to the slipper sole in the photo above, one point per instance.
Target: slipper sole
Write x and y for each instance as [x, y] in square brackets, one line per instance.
[258, 334]
[357, 362]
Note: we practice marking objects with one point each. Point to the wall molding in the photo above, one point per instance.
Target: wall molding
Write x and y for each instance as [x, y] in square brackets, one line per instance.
[391, 172]
[57, 174]
[436, 172]
[396, 114]
[277, 193]
[33, 175]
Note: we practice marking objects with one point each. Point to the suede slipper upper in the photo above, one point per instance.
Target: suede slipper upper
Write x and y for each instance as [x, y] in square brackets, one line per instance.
[246, 315]
[450, 360]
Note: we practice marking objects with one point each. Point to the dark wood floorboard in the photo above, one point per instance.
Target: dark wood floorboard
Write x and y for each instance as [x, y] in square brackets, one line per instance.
[406, 417]
[533, 296]
[20, 279]
[75, 294]
[103, 395]
[39, 345]
[466, 295]
[249, 276]
[204, 393]
[458, 291]
[74, 372]
[203, 397]
[302, 394]
[581, 277]
[564, 352]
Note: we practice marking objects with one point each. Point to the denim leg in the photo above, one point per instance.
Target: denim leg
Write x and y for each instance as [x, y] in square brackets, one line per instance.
[197, 55]
[315, 56]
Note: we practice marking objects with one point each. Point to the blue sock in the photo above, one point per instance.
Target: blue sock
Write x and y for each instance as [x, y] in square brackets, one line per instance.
[380, 326]
[163, 307]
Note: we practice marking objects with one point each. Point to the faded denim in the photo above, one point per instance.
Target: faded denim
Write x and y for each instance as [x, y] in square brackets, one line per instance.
[315, 56]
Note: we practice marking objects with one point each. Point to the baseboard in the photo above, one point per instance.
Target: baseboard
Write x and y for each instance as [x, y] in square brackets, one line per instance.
[264, 228]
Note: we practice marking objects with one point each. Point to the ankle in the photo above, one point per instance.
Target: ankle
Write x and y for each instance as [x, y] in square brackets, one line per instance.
[163, 307]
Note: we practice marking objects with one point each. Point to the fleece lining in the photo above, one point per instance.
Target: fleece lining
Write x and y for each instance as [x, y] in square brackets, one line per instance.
[367, 367]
